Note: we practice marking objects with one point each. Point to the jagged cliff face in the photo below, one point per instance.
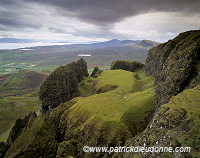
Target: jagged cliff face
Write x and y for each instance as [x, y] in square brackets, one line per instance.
[20, 126]
[62, 84]
[176, 67]
[176, 124]
[174, 64]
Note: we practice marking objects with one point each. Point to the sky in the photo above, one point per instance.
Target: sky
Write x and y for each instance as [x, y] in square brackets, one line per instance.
[82, 21]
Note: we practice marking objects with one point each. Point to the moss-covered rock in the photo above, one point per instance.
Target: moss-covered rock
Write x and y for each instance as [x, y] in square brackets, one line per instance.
[126, 65]
[96, 72]
[66, 149]
[174, 64]
[20, 126]
[3, 148]
[62, 84]
[176, 124]
[38, 141]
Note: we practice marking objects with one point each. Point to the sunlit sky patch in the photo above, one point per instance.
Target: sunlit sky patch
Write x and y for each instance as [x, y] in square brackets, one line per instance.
[81, 21]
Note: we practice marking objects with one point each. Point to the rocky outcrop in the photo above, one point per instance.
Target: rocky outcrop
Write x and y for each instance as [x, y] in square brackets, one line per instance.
[148, 43]
[96, 72]
[62, 84]
[3, 148]
[38, 141]
[126, 65]
[174, 64]
[19, 126]
[176, 124]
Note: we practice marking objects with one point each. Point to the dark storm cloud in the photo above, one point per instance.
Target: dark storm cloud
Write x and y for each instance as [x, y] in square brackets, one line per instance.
[99, 12]
[105, 12]
[97, 18]
[15, 20]
[15, 14]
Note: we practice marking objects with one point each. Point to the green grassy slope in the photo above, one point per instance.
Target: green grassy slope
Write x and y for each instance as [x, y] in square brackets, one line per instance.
[177, 124]
[183, 113]
[104, 119]
[131, 96]
[111, 116]
[85, 87]
[12, 108]
[39, 139]
[23, 82]
[18, 97]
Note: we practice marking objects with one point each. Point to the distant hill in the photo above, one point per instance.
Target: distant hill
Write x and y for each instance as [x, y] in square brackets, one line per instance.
[146, 44]
[115, 43]
[18, 97]
[49, 57]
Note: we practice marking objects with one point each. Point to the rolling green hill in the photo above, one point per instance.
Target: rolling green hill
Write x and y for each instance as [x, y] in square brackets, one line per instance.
[106, 116]
[25, 81]
[19, 96]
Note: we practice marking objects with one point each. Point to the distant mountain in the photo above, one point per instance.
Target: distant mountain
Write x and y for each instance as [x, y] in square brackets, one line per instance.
[49, 57]
[116, 42]
[147, 44]
[111, 43]
[144, 44]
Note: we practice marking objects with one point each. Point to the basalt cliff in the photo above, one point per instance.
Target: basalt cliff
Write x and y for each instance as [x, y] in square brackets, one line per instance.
[62, 84]
[176, 67]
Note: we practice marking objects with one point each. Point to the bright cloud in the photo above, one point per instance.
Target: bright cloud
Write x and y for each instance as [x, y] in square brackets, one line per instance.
[158, 26]
[96, 21]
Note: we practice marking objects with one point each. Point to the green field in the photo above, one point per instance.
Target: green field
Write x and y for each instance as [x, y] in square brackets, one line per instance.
[13, 108]
[47, 58]
[112, 114]
[18, 97]
[117, 105]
